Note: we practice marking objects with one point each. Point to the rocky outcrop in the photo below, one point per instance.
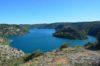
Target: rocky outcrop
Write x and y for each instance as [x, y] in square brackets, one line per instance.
[77, 56]
[9, 55]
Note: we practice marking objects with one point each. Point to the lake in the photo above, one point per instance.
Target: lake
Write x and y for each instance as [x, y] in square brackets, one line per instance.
[42, 39]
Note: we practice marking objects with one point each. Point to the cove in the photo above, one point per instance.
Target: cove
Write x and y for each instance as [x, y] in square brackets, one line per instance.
[42, 39]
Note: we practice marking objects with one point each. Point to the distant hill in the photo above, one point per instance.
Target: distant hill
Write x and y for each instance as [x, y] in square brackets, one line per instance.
[10, 30]
[70, 33]
[90, 28]
[81, 29]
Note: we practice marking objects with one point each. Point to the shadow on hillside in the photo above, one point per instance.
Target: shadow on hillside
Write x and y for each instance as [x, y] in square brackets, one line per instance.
[93, 47]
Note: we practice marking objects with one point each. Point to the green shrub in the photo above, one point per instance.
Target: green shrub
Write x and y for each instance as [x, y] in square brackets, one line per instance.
[33, 55]
[65, 45]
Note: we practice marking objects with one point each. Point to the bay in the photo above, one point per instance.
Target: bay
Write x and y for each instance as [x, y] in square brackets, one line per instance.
[42, 39]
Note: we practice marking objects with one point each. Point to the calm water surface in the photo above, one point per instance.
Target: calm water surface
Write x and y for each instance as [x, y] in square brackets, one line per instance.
[42, 39]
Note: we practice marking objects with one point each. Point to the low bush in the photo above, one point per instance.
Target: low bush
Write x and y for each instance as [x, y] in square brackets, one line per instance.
[33, 55]
[65, 45]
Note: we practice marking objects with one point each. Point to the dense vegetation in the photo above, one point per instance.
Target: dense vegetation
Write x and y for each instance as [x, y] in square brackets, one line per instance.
[11, 30]
[71, 33]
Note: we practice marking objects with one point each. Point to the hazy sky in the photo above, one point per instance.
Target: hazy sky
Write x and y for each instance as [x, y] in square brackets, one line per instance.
[47, 11]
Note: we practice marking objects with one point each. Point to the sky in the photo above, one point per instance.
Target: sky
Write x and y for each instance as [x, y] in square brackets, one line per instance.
[48, 11]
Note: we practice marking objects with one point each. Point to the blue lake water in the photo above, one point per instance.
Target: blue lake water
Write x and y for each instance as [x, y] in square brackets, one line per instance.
[42, 39]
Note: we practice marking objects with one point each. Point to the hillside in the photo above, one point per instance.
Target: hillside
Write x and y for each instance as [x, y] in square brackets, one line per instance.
[90, 28]
[77, 56]
[9, 55]
[11, 30]
[70, 33]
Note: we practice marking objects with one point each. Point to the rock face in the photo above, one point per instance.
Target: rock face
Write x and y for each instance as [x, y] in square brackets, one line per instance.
[77, 56]
[8, 55]
[70, 33]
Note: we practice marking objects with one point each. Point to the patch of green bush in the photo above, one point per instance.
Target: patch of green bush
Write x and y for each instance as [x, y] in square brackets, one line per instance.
[63, 46]
[33, 55]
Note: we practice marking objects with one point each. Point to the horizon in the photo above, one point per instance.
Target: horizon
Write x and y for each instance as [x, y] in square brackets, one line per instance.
[48, 23]
[48, 11]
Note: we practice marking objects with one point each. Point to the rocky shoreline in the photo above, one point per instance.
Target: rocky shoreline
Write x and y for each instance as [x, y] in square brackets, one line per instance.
[9, 55]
